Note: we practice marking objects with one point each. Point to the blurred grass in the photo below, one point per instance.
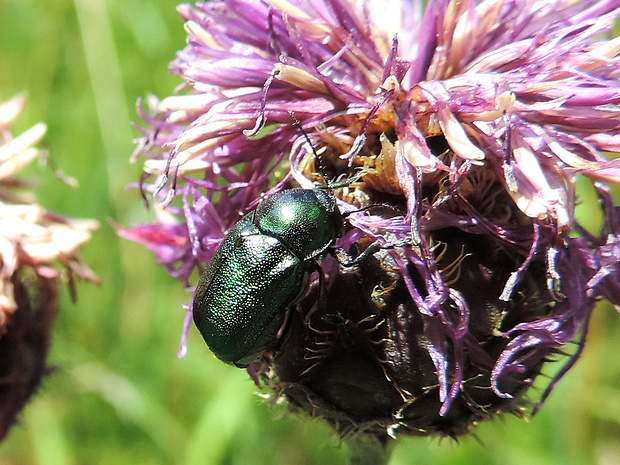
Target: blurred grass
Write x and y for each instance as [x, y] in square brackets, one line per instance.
[120, 395]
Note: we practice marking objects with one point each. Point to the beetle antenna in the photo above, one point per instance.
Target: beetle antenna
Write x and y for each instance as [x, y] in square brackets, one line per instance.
[320, 168]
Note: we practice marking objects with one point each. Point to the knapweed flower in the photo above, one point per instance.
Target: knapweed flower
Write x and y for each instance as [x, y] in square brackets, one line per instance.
[463, 127]
[32, 241]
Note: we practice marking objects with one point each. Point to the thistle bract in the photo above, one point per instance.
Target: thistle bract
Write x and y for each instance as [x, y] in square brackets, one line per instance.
[467, 124]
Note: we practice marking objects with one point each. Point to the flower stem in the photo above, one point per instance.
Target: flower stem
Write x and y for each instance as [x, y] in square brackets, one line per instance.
[368, 449]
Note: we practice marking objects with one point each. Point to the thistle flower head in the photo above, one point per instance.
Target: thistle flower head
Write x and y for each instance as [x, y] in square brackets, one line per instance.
[465, 125]
[32, 241]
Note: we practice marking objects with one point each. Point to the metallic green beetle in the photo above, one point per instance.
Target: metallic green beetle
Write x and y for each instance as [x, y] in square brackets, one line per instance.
[260, 269]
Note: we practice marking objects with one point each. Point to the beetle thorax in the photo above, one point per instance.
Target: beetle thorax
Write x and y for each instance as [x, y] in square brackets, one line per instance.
[306, 220]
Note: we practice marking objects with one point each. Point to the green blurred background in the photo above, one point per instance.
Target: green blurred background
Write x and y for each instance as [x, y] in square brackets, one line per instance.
[119, 394]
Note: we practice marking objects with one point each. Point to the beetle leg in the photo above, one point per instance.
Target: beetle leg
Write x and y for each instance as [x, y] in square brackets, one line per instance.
[320, 305]
[374, 205]
[348, 261]
[287, 316]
